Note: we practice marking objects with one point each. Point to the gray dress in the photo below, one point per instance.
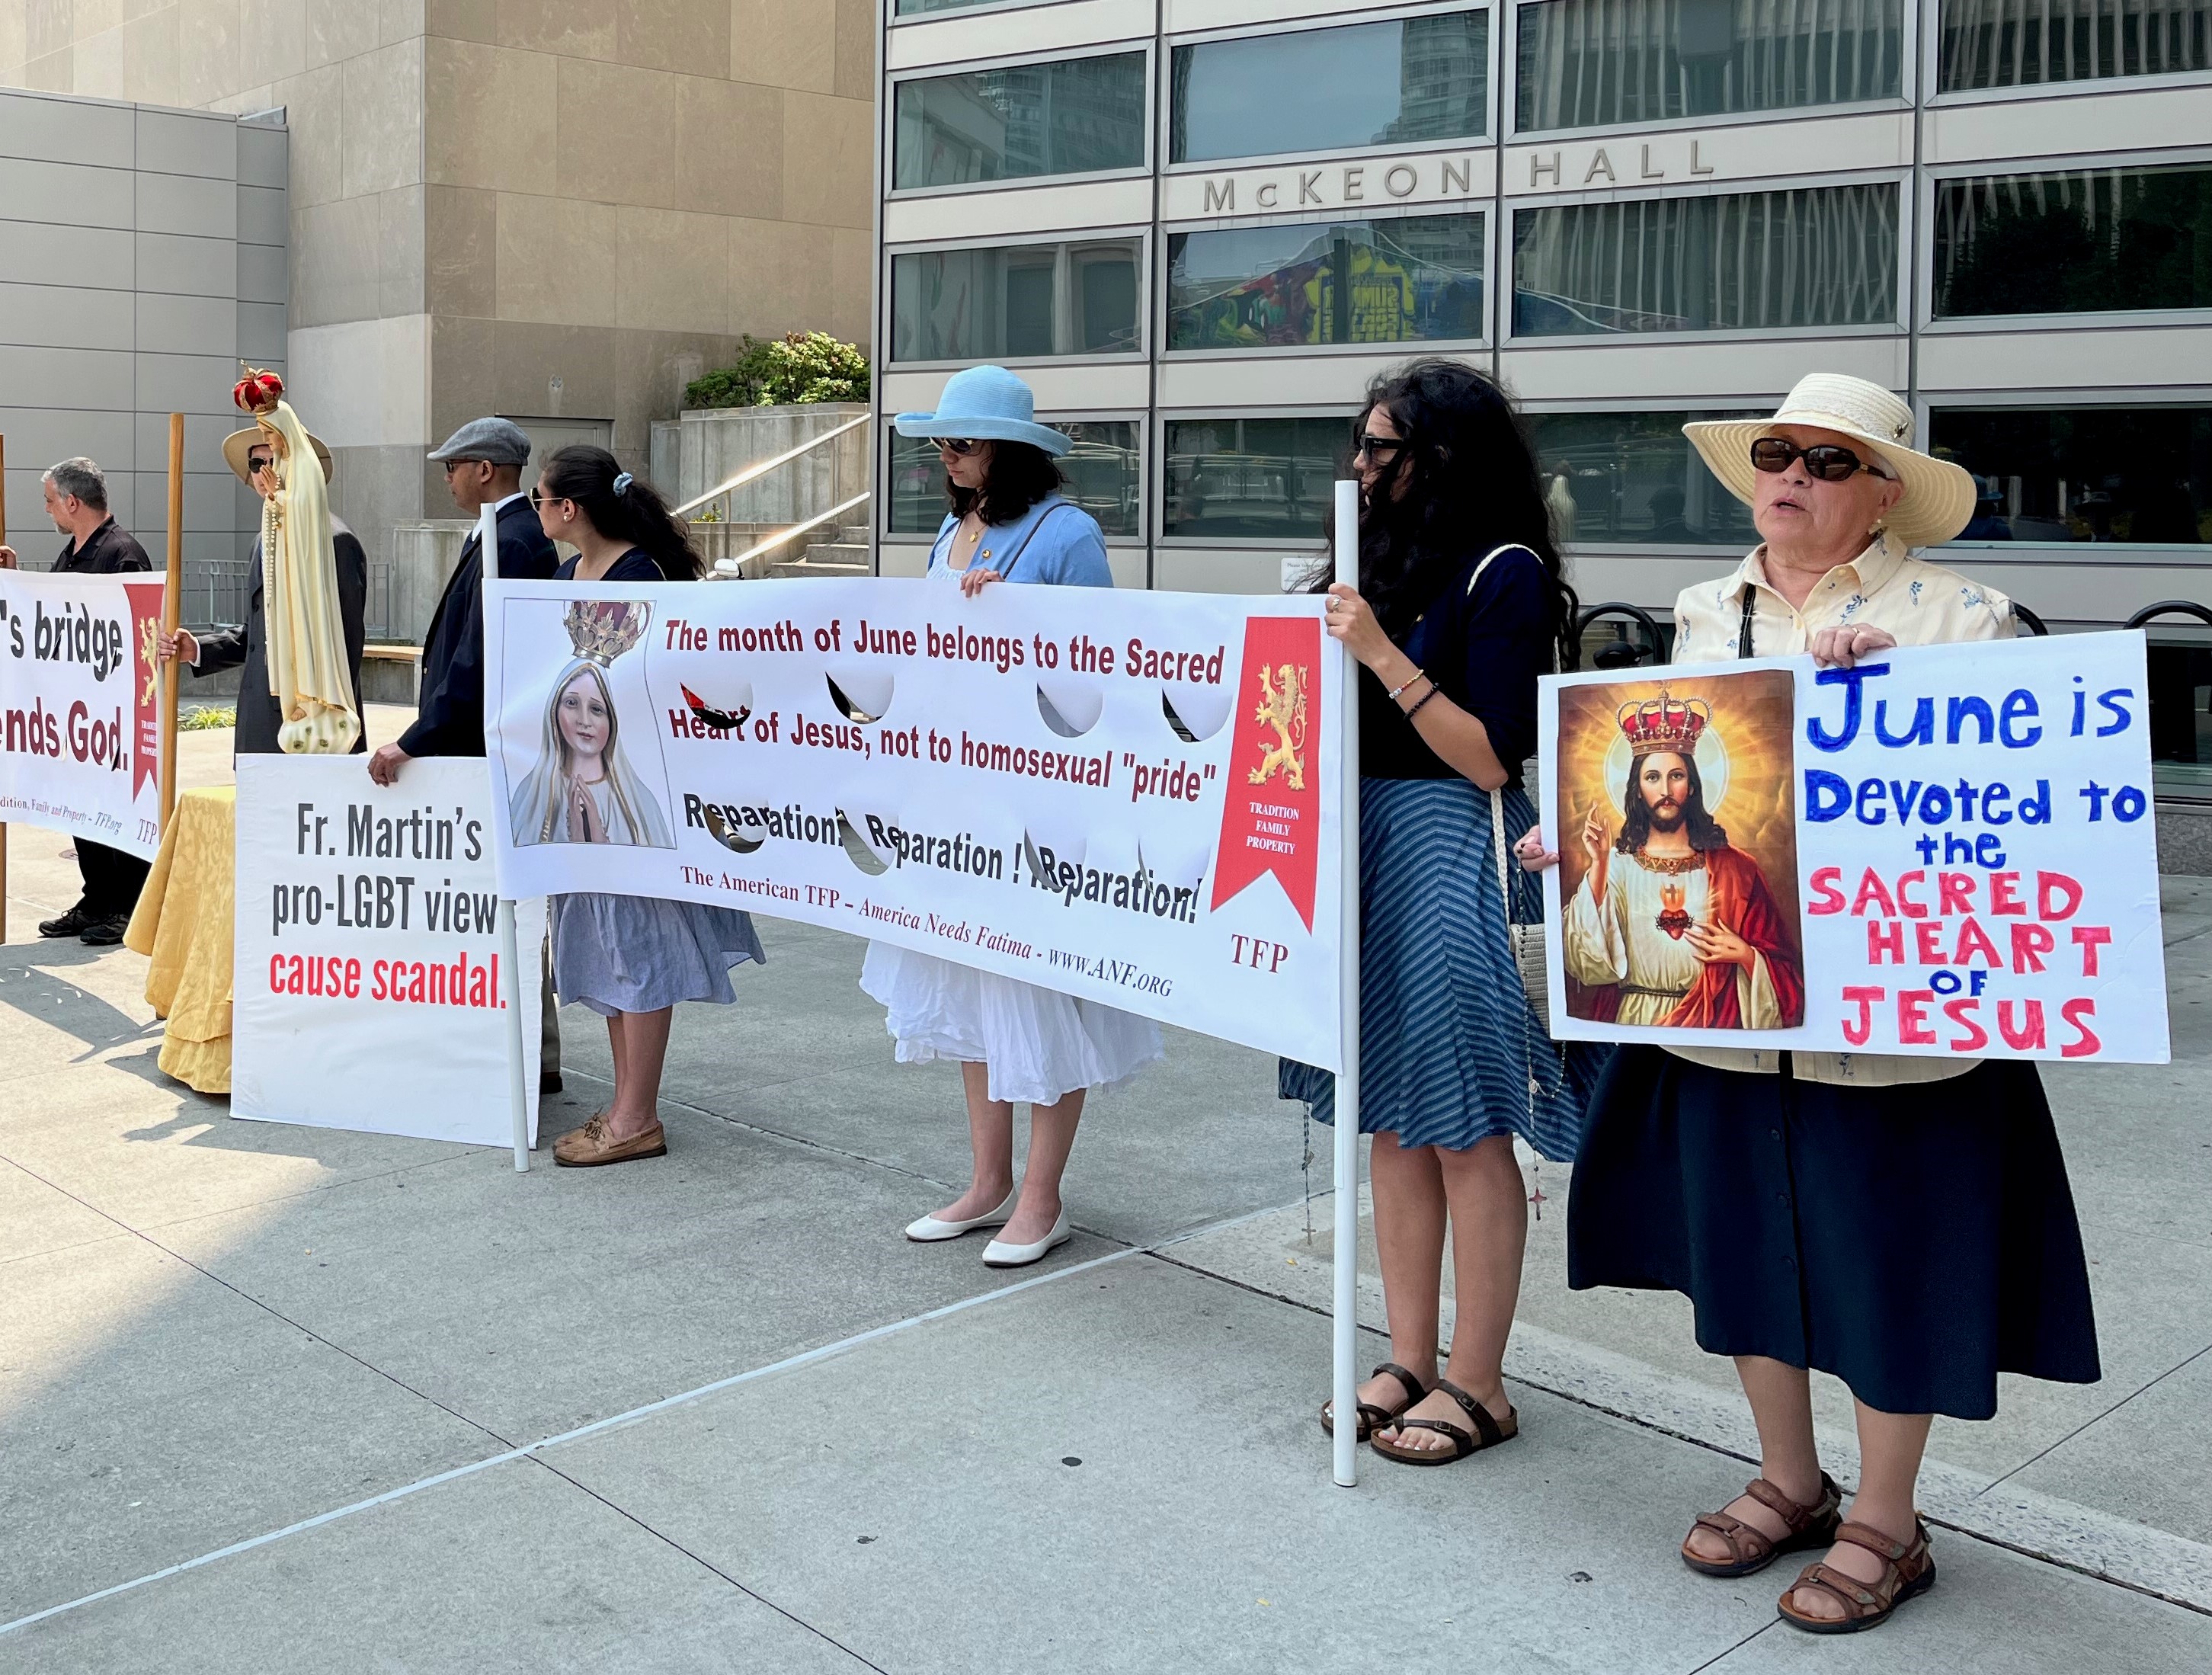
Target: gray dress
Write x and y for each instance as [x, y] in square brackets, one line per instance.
[639, 953]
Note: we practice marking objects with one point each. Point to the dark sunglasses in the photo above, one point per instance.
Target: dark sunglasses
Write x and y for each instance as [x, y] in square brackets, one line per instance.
[258, 462]
[1381, 449]
[1827, 461]
[959, 447]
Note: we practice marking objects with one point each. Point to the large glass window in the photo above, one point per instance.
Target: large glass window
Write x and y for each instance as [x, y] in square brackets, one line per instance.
[2136, 474]
[918, 7]
[2021, 43]
[1267, 479]
[2078, 242]
[1807, 256]
[1591, 63]
[1075, 117]
[1104, 471]
[1404, 82]
[1401, 280]
[1634, 477]
[1011, 301]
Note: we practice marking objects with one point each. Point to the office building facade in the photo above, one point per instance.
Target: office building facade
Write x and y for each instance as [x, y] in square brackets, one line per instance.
[1198, 227]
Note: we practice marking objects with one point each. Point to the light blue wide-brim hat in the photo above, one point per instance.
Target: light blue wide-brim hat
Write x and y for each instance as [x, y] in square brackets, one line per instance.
[986, 403]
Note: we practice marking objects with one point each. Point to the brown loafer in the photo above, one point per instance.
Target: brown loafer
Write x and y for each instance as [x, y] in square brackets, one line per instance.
[588, 1146]
[1908, 1570]
[1750, 1548]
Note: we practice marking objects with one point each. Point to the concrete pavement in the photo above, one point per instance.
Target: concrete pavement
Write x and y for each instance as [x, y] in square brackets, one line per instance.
[711, 1412]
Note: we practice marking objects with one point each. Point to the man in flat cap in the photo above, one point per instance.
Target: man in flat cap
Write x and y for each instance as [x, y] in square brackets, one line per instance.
[483, 462]
[252, 455]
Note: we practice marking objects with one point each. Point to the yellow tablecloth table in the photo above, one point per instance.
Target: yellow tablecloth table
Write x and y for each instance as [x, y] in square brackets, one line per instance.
[183, 925]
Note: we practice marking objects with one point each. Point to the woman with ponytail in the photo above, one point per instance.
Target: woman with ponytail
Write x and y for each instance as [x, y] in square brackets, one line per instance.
[1459, 606]
[630, 958]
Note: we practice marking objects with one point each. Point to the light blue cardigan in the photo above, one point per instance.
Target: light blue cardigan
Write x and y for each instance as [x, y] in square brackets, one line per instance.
[1055, 541]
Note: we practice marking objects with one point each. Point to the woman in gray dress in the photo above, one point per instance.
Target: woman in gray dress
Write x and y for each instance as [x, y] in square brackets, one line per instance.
[630, 958]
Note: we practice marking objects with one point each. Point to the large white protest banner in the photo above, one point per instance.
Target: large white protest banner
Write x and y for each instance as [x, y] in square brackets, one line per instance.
[368, 991]
[80, 707]
[1125, 796]
[1948, 852]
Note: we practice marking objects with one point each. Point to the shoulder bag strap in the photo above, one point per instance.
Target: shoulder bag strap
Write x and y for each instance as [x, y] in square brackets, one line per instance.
[1743, 634]
[1007, 572]
[1510, 546]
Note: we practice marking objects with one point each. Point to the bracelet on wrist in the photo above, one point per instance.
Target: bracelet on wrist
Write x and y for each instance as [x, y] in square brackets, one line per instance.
[1419, 673]
[1423, 699]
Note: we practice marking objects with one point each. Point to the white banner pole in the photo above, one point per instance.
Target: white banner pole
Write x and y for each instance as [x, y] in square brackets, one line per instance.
[1347, 1082]
[518, 1094]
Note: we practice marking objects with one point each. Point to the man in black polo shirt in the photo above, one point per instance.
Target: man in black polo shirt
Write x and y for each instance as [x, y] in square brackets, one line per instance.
[76, 500]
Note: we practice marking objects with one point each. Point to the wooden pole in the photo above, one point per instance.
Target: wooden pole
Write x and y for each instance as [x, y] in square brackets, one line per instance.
[171, 596]
[4, 825]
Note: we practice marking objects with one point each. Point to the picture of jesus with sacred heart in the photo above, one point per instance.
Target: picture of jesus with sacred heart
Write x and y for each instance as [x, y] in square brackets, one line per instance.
[1670, 925]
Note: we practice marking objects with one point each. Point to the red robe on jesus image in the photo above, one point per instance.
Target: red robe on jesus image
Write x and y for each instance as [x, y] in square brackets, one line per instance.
[1623, 947]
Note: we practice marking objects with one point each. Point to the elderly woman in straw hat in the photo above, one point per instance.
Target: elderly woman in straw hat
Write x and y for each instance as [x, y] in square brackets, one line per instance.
[1904, 1224]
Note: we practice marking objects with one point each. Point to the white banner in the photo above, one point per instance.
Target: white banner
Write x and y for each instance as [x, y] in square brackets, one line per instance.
[1948, 852]
[368, 991]
[80, 706]
[1125, 796]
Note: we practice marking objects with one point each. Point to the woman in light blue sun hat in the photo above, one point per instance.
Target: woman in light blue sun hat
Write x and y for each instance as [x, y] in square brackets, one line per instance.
[1014, 1041]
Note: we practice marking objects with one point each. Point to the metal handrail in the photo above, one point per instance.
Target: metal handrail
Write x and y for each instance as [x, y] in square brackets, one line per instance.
[736, 566]
[764, 466]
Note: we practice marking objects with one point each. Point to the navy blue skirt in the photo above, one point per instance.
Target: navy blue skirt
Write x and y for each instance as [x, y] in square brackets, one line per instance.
[1450, 1052]
[1913, 1240]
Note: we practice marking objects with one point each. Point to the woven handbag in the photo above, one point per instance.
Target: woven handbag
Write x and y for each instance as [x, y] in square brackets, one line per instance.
[1526, 942]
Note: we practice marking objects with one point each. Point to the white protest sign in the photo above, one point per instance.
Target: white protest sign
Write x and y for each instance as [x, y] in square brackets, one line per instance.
[1948, 852]
[368, 991]
[1125, 796]
[80, 709]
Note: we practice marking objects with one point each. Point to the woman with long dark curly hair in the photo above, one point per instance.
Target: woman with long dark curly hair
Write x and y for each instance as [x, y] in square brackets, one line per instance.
[630, 958]
[1460, 605]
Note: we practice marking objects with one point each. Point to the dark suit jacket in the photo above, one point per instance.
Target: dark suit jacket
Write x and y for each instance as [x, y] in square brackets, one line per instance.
[449, 711]
[244, 648]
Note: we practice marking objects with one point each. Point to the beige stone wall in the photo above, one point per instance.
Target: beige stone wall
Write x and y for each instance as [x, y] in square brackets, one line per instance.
[496, 200]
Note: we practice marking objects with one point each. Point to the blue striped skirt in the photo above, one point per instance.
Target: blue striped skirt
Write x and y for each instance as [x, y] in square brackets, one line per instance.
[1451, 1052]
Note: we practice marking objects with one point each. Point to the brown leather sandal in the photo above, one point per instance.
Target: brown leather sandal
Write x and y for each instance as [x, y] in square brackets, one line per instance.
[1750, 1547]
[1374, 1414]
[1491, 1432]
[1908, 1570]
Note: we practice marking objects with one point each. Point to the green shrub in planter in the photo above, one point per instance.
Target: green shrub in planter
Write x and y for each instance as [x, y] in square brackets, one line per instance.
[795, 369]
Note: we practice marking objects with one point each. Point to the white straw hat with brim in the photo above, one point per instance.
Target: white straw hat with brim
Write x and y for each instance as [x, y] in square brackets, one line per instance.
[234, 446]
[1939, 496]
[987, 404]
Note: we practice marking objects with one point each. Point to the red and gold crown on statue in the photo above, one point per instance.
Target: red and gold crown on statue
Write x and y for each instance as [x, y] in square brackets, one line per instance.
[601, 630]
[1664, 723]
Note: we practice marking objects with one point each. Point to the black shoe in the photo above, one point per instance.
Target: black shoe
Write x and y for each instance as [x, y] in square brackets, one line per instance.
[549, 1081]
[75, 922]
[106, 933]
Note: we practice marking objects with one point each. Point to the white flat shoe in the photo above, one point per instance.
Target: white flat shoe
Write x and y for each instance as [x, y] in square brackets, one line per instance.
[1000, 1254]
[929, 1229]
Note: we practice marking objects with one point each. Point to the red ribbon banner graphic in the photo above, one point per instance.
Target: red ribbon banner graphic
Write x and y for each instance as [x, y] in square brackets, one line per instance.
[145, 599]
[1271, 819]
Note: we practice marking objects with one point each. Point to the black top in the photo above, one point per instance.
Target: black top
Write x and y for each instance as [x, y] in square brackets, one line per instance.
[245, 647]
[449, 704]
[1484, 646]
[107, 549]
[635, 565]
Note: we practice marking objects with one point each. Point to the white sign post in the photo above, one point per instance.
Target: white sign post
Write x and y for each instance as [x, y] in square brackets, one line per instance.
[368, 989]
[1346, 1172]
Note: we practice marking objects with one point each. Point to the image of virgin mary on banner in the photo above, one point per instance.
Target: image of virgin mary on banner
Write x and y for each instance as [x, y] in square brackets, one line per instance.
[583, 789]
[1670, 923]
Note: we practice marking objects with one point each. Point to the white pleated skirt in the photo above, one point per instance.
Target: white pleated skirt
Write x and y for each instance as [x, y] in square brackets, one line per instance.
[1039, 1043]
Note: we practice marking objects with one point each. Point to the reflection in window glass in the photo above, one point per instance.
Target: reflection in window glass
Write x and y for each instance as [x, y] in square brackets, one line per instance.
[1001, 303]
[2136, 474]
[2075, 243]
[1402, 280]
[1104, 471]
[1584, 62]
[1634, 476]
[1071, 118]
[1267, 479]
[915, 7]
[1407, 80]
[2021, 43]
[1810, 256]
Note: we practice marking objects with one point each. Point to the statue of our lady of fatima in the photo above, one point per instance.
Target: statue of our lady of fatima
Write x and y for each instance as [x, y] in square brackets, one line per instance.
[306, 646]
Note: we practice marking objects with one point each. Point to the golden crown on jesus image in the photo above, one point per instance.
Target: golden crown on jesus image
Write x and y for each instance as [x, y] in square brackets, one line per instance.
[1664, 723]
[601, 630]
